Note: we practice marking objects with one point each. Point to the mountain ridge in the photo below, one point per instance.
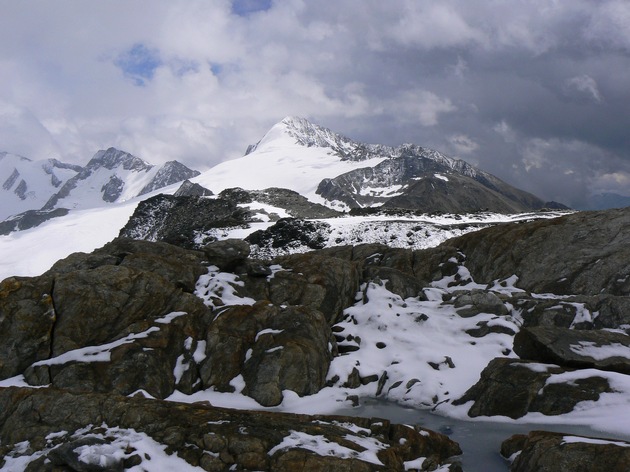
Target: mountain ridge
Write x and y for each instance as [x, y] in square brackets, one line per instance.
[112, 174]
[341, 173]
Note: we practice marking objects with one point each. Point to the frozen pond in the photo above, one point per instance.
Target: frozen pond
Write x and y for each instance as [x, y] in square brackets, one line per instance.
[480, 441]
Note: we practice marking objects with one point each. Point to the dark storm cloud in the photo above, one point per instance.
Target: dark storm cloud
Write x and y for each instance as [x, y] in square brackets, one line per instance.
[534, 91]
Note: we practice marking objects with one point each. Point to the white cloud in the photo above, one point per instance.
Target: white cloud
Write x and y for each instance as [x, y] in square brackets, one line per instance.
[434, 24]
[585, 84]
[505, 130]
[463, 144]
[420, 106]
[214, 82]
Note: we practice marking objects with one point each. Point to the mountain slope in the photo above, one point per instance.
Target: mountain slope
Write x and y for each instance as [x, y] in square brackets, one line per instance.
[332, 169]
[27, 184]
[294, 154]
[114, 176]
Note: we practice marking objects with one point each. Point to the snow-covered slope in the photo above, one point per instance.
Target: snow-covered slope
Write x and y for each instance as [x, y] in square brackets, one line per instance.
[110, 176]
[27, 184]
[115, 176]
[329, 168]
[294, 154]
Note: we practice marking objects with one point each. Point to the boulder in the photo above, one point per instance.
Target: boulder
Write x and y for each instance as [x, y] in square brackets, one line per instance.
[156, 358]
[179, 266]
[326, 284]
[513, 388]
[50, 429]
[227, 254]
[554, 312]
[598, 349]
[558, 452]
[273, 348]
[479, 301]
[103, 304]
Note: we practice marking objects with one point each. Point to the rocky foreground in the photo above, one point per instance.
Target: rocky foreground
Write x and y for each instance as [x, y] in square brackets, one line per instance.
[113, 333]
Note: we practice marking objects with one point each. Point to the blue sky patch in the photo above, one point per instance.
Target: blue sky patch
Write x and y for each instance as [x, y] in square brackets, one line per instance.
[247, 7]
[139, 63]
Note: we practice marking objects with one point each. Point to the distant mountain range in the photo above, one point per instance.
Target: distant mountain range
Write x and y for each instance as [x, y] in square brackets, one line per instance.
[329, 168]
[110, 176]
[295, 154]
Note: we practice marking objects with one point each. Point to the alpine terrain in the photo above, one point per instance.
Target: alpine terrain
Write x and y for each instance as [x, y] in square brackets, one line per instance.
[33, 189]
[243, 318]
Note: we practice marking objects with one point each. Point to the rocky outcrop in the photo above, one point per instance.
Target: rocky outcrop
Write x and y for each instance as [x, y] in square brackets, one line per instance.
[30, 219]
[188, 189]
[597, 349]
[273, 348]
[50, 429]
[188, 222]
[420, 179]
[170, 173]
[27, 317]
[326, 284]
[513, 388]
[583, 253]
[295, 204]
[290, 233]
[542, 450]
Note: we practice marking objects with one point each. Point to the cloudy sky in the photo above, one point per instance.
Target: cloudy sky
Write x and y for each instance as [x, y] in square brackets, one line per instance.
[534, 91]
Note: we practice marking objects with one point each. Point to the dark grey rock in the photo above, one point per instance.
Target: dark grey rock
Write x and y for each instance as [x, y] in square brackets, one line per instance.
[112, 189]
[27, 318]
[272, 348]
[227, 254]
[574, 348]
[479, 301]
[203, 436]
[30, 219]
[291, 233]
[170, 173]
[583, 253]
[461, 189]
[513, 388]
[182, 220]
[546, 451]
[188, 189]
[326, 284]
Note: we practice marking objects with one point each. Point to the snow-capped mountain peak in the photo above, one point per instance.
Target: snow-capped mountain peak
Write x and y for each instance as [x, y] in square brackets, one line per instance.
[26, 184]
[332, 169]
[112, 176]
[112, 158]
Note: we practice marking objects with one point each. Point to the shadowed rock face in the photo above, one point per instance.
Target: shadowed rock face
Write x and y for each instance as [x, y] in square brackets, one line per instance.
[57, 423]
[542, 450]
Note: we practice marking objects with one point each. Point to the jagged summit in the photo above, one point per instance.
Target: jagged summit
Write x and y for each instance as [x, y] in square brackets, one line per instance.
[113, 157]
[26, 184]
[111, 175]
[330, 168]
[117, 176]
